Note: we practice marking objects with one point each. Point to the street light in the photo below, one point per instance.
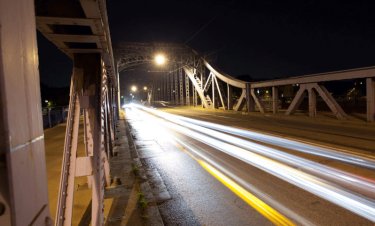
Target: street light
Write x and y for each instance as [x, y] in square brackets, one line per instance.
[160, 59]
[134, 88]
[145, 88]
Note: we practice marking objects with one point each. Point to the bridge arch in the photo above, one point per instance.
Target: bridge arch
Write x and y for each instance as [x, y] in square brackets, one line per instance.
[194, 65]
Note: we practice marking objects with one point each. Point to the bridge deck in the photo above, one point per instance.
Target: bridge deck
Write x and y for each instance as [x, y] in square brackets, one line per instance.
[324, 129]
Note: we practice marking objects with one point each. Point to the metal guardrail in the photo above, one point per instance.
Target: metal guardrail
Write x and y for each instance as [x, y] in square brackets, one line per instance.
[54, 115]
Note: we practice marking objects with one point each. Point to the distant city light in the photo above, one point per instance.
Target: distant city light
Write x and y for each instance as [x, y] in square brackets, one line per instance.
[145, 88]
[160, 59]
[266, 91]
[122, 96]
[134, 88]
[258, 91]
[46, 101]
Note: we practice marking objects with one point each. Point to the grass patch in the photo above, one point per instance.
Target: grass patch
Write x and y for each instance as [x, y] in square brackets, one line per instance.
[140, 193]
[144, 216]
[143, 203]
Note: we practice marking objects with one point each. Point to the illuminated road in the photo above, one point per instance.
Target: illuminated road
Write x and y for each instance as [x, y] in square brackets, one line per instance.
[225, 175]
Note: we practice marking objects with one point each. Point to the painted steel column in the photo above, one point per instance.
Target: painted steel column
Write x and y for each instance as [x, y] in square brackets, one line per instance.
[165, 88]
[370, 93]
[175, 75]
[250, 103]
[118, 96]
[171, 84]
[213, 92]
[23, 177]
[181, 86]
[187, 90]
[194, 97]
[230, 97]
[203, 78]
[312, 102]
[275, 99]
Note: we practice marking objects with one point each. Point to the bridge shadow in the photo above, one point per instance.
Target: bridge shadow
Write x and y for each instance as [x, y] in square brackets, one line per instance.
[362, 118]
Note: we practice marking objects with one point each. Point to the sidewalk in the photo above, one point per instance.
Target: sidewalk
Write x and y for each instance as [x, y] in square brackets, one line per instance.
[122, 206]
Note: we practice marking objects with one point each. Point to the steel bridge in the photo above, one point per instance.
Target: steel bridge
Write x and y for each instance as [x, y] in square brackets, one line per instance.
[187, 67]
[80, 29]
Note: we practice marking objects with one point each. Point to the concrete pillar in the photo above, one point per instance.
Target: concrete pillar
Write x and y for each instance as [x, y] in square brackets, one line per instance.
[312, 102]
[370, 93]
[23, 176]
[275, 99]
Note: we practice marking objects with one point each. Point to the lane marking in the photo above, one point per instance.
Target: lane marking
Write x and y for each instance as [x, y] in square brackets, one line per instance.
[252, 200]
[260, 206]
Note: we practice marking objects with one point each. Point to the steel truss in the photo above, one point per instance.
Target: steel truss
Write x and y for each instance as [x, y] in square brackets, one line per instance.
[194, 65]
[91, 92]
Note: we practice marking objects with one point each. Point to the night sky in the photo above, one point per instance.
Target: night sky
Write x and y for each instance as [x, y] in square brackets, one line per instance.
[265, 39]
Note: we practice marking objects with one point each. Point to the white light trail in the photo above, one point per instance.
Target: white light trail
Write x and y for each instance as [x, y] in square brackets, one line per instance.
[336, 194]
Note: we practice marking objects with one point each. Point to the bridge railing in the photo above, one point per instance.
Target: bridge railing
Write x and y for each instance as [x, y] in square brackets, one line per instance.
[53, 116]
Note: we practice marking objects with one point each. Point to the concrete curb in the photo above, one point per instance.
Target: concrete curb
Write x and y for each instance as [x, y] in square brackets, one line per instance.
[154, 217]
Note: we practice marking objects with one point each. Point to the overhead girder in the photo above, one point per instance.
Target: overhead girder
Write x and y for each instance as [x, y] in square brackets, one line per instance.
[133, 54]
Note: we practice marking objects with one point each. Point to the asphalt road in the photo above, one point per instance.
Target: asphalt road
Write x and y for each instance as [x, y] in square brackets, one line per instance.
[195, 166]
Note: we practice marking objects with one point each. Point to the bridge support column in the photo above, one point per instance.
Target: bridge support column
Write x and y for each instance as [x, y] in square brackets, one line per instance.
[323, 92]
[241, 101]
[297, 100]
[175, 75]
[258, 101]
[250, 104]
[171, 84]
[187, 89]
[181, 80]
[23, 177]
[370, 93]
[203, 78]
[312, 101]
[230, 97]
[275, 99]
[165, 88]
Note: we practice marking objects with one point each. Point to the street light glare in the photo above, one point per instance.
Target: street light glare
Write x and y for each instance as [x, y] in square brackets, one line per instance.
[134, 88]
[145, 88]
[160, 59]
